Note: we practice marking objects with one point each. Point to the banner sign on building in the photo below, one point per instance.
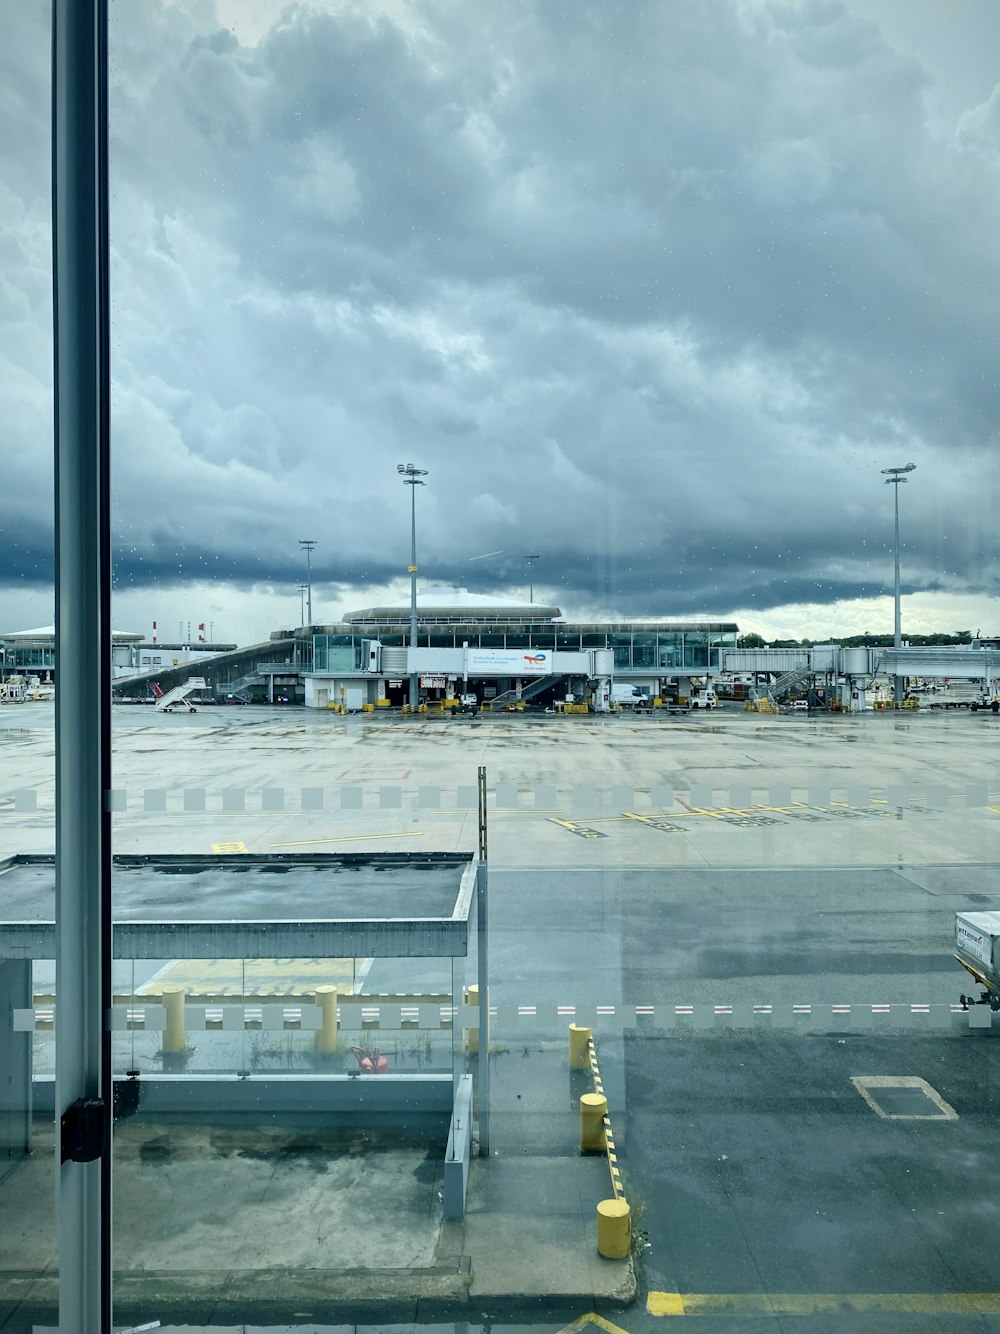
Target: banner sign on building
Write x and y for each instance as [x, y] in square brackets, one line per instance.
[433, 682]
[510, 662]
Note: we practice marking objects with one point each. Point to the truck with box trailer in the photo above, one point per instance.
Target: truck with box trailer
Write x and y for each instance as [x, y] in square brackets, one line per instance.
[977, 949]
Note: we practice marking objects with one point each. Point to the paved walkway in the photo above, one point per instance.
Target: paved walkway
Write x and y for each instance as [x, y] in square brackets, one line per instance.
[211, 1220]
[531, 1222]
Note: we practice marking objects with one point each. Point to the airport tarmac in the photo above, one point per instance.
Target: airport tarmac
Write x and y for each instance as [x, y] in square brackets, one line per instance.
[722, 789]
[754, 913]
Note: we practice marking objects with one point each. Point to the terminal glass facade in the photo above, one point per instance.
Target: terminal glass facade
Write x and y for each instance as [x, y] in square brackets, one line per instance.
[649, 647]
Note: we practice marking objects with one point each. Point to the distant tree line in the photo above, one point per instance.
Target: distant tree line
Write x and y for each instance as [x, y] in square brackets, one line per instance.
[859, 641]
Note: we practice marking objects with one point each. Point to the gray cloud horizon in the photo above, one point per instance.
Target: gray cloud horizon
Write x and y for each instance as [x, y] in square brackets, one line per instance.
[654, 291]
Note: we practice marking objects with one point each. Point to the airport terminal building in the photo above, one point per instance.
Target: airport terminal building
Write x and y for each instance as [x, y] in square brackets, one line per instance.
[498, 650]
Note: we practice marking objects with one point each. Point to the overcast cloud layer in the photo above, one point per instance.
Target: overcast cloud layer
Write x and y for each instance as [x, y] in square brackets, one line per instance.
[653, 290]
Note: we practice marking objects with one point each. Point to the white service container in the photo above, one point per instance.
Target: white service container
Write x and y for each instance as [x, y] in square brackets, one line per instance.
[977, 938]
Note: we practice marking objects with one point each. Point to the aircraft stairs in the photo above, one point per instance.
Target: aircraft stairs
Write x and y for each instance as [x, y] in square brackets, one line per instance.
[177, 698]
[533, 688]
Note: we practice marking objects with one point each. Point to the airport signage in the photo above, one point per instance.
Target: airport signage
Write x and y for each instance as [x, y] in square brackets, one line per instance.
[433, 682]
[509, 662]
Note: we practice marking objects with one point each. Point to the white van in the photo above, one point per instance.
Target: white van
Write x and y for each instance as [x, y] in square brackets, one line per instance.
[628, 697]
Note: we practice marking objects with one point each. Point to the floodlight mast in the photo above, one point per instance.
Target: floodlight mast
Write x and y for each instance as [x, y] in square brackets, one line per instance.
[411, 477]
[894, 477]
[531, 574]
[307, 544]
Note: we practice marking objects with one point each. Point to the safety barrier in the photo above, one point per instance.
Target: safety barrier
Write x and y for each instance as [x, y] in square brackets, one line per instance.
[614, 1216]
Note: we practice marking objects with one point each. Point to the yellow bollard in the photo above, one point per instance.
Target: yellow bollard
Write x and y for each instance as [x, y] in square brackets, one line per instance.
[471, 995]
[579, 1047]
[593, 1109]
[174, 1035]
[470, 1042]
[326, 1036]
[614, 1229]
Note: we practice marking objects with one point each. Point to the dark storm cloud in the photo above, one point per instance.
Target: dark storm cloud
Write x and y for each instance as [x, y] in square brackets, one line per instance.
[27, 554]
[656, 289]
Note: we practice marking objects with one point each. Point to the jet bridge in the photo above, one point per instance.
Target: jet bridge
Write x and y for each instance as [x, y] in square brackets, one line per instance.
[849, 668]
[963, 664]
[855, 666]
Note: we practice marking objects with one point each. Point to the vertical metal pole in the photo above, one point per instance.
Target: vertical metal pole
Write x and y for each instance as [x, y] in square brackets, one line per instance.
[414, 688]
[307, 544]
[83, 636]
[898, 641]
[897, 638]
[483, 973]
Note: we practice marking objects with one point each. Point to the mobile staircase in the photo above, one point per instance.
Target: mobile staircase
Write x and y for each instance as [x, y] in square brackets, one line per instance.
[178, 697]
[533, 688]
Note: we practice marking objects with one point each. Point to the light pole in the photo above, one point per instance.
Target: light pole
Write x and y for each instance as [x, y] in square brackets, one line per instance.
[307, 544]
[893, 478]
[303, 588]
[531, 575]
[411, 477]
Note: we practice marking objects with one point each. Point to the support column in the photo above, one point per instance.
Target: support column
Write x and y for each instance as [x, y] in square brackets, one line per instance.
[483, 971]
[83, 637]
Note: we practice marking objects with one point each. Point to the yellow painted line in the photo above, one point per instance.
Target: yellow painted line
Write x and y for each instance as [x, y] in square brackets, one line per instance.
[577, 827]
[608, 819]
[230, 847]
[521, 810]
[591, 1318]
[821, 1303]
[346, 838]
[493, 810]
[240, 979]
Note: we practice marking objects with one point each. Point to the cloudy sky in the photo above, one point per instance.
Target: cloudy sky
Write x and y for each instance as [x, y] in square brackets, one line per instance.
[653, 290]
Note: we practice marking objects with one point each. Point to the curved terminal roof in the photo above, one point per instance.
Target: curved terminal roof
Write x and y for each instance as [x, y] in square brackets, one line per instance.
[456, 603]
[46, 634]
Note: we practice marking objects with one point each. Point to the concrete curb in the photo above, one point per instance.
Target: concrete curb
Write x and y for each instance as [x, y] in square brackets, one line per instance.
[280, 1294]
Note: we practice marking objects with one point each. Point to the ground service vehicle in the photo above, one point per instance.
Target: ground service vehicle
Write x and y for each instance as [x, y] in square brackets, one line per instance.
[704, 699]
[629, 697]
[977, 949]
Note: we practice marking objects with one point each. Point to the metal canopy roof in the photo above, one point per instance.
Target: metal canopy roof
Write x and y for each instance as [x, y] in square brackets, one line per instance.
[336, 905]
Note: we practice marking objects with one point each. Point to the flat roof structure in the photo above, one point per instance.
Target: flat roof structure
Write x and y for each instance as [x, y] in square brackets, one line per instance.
[289, 905]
